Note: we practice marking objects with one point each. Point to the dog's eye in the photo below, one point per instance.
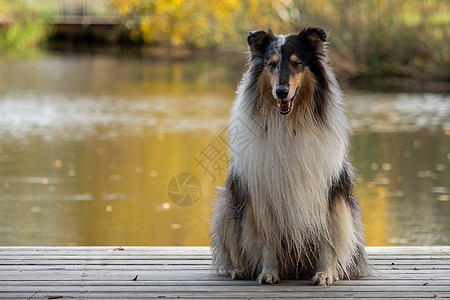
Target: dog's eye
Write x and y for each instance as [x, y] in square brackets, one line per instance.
[273, 64]
[298, 63]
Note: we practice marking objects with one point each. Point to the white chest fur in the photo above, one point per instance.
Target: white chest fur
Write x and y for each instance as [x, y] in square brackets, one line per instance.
[288, 168]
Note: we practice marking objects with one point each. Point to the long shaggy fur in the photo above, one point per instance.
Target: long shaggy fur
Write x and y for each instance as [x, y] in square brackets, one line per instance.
[287, 209]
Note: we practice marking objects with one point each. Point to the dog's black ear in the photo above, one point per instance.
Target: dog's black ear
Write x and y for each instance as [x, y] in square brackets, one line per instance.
[258, 41]
[315, 35]
[316, 32]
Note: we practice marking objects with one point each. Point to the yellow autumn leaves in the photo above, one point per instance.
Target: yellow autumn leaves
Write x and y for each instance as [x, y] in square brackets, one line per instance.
[196, 23]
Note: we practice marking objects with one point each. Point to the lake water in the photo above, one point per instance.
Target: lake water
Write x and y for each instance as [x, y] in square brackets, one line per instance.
[100, 150]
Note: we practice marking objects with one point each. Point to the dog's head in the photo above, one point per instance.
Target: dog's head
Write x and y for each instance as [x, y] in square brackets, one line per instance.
[288, 60]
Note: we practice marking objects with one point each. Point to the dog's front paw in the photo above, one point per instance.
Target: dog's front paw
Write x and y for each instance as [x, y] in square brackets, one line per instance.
[324, 278]
[268, 278]
[238, 274]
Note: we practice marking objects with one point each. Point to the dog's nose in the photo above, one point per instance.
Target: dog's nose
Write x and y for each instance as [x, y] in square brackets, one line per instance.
[282, 92]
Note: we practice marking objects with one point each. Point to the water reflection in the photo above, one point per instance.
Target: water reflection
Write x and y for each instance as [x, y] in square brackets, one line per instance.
[89, 145]
[404, 186]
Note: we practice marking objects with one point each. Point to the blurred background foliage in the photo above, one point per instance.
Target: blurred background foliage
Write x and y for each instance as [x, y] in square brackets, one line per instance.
[371, 37]
[23, 28]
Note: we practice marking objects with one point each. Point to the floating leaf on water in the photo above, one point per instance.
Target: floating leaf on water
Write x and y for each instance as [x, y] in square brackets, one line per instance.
[382, 181]
[36, 209]
[398, 193]
[439, 190]
[440, 167]
[166, 206]
[175, 226]
[387, 166]
[115, 177]
[444, 197]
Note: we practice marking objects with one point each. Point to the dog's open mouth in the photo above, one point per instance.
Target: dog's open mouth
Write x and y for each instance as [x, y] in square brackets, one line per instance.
[285, 106]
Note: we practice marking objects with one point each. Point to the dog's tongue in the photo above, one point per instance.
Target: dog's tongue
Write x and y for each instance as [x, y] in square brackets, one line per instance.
[284, 107]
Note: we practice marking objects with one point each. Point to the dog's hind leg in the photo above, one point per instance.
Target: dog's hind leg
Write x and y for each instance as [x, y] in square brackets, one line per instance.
[225, 237]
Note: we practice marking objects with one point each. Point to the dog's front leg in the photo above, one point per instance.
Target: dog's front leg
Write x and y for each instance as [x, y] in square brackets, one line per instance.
[327, 268]
[269, 272]
[337, 251]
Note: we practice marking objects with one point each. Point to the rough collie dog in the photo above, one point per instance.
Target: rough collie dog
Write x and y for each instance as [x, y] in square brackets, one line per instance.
[287, 209]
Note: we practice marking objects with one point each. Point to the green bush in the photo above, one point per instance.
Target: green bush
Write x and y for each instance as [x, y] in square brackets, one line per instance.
[25, 34]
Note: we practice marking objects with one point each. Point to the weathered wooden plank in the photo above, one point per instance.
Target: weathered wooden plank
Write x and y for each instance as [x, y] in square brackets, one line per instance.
[39, 294]
[165, 267]
[111, 262]
[171, 272]
[372, 251]
[253, 288]
[109, 249]
[181, 275]
[150, 256]
[407, 249]
[205, 250]
[154, 268]
[206, 282]
[437, 264]
[146, 296]
[95, 296]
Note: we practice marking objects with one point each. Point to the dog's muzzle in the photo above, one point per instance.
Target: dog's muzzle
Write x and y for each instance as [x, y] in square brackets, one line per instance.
[284, 105]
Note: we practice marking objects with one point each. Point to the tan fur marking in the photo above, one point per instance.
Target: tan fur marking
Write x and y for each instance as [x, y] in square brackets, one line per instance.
[305, 94]
[275, 58]
[294, 58]
[266, 101]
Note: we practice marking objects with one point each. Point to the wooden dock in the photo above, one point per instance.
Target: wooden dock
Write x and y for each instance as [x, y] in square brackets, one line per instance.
[184, 272]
